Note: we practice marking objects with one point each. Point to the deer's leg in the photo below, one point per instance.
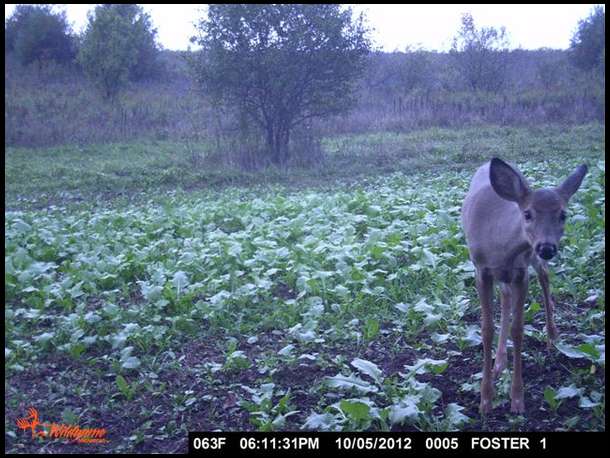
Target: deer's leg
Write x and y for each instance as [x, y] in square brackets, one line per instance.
[505, 302]
[485, 289]
[519, 293]
[543, 278]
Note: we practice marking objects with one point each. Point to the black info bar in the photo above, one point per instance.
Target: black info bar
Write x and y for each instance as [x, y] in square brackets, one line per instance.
[394, 443]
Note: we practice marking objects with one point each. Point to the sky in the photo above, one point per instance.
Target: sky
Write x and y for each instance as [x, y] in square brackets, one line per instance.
[429, 27]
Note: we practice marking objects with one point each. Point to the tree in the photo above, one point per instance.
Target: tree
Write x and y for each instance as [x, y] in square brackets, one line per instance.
[588, 45]
[36, 33]
[481, 55]
[551, 68]
[118, 45]
[415, 70]
[281, 64]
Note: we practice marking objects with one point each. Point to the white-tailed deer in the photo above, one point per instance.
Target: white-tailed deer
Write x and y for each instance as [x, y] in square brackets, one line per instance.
[508, 227]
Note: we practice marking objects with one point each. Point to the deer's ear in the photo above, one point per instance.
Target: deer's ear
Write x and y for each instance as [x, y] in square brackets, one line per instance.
[507, 182]
[572, 183]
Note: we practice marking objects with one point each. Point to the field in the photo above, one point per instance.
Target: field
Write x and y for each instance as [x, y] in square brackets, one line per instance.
[151, 296]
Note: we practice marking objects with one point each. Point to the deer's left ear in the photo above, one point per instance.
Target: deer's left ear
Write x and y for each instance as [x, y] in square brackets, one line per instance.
[572, 183]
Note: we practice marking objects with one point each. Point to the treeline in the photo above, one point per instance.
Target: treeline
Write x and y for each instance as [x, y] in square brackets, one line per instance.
[114, 83]
[419, 89]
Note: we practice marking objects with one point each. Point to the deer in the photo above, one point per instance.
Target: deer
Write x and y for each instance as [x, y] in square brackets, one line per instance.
[508, 227]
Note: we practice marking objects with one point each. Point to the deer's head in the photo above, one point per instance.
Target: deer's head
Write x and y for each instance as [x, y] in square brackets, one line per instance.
[543, 211]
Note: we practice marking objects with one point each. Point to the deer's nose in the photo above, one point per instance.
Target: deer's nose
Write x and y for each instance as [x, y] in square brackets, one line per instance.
[546, 250]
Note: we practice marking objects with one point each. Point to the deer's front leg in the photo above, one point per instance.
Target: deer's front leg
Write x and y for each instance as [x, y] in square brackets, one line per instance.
[506, 305]
[519, 293]
[485, 289]
[543, 277]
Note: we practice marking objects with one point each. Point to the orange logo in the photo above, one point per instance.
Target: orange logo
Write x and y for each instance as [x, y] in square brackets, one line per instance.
[57, 431]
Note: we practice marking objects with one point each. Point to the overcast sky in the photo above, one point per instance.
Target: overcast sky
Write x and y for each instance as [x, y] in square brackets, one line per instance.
[396, 26]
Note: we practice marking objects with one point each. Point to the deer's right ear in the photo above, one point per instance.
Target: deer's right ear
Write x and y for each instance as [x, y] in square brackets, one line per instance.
[507, 182]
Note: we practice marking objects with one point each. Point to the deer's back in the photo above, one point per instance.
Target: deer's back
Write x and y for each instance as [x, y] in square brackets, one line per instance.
[492, 226]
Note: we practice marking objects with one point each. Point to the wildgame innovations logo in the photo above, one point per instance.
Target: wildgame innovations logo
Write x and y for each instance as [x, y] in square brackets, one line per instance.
[60, 431]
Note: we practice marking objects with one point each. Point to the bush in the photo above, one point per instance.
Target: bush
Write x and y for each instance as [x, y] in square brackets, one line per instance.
[36, 33]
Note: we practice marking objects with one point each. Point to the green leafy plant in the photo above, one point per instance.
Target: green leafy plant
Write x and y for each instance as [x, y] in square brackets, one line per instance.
[128, 390]
[264, 414]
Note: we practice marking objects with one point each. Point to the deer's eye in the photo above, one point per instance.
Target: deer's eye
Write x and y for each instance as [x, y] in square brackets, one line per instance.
[527, 215]
[562, 216]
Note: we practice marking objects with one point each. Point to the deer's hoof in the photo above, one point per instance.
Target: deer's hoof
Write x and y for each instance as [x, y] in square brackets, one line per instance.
[552, 336]
[500, 365]
[517, 406]
[485, 406]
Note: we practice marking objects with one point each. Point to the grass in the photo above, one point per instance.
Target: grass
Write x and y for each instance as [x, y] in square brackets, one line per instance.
[304, 302]
[36, 178]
